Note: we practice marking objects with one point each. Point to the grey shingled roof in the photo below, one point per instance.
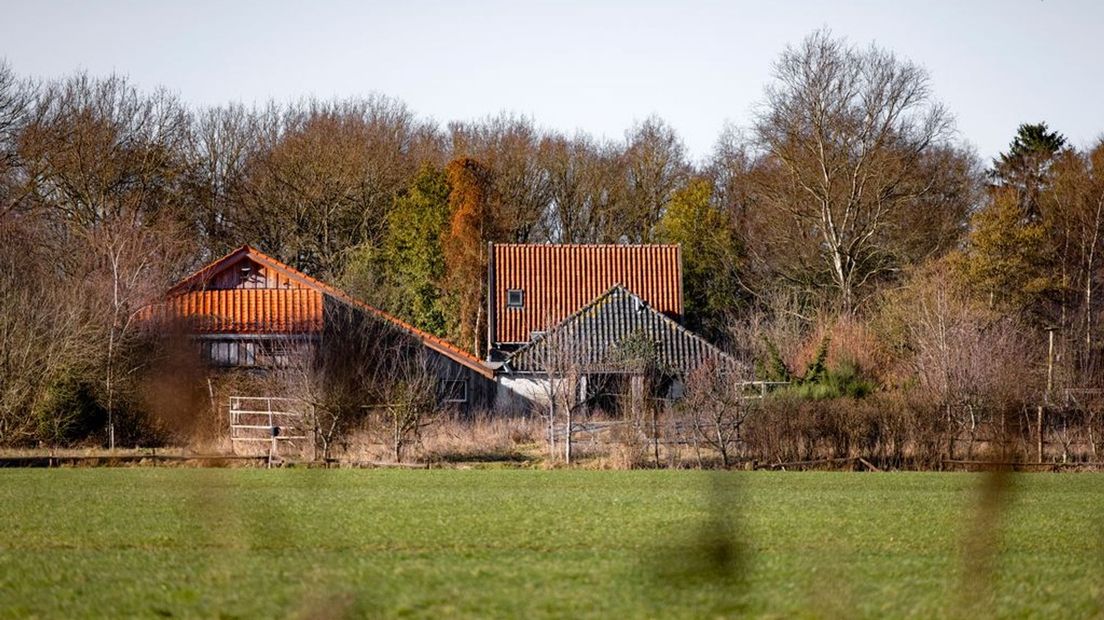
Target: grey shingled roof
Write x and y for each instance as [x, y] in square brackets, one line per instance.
[601, 335]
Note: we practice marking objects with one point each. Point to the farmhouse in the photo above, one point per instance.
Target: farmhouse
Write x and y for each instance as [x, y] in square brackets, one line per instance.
[249, 311]
[533, 287]
[604, 318]
[592, 324]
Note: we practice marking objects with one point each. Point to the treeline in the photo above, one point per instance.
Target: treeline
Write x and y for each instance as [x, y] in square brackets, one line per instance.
[845, 241]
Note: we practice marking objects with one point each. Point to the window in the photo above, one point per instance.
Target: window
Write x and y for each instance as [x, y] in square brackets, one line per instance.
[251, 275]
[454, 391]
[222, 353]
[515, 298]
[277, 354]
[233, 353]
[247, 354]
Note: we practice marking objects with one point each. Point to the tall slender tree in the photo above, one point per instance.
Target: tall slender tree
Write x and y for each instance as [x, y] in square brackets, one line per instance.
[472, 206]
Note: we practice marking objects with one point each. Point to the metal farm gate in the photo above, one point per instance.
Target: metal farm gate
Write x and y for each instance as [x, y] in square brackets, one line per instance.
[268, 423]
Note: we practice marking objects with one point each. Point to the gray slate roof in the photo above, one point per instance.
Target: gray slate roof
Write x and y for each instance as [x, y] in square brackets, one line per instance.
[612, 334]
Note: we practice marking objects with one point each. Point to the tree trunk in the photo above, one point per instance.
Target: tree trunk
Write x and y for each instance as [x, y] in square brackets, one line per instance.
[397, 438]
[1091, 419]
[950, 434]
[552, 424]
[1039, 436]
[567, 436]
[655, 434]
[722, 446]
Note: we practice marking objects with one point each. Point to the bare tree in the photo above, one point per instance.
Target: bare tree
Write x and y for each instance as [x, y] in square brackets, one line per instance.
[509, 146]
[849, 129]
[136, 264]
[222, 142]
[717, 407]
[561, 358]
[102, 164]
[774, 333]
[363, 369]
[46, 333]
[98, 150]
[410, 398]
[656, 167]
[609, 209]
[570, 166]
[1073, 212]
[637, 358]
[325, 175]
[339, 373]
[15, 103]
[570, 373]
[975, 364]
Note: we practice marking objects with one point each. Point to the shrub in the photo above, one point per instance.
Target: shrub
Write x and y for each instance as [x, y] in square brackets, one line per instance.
[69, 412]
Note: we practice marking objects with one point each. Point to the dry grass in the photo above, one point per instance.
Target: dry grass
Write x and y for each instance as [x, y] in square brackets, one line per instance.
[889, 430]
[483, 437]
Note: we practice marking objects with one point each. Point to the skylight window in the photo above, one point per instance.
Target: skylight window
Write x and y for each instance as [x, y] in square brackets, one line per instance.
[515, 298]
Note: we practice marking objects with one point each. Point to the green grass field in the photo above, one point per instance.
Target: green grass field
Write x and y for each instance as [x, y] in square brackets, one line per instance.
[316, 543]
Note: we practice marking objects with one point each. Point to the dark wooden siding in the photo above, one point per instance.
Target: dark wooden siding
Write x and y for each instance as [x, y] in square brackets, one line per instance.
[247, 274]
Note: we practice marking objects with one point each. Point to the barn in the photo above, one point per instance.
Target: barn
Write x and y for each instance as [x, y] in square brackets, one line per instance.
[249, 312]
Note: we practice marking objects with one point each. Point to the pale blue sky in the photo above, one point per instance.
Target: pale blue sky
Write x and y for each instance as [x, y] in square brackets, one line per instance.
[594, 66]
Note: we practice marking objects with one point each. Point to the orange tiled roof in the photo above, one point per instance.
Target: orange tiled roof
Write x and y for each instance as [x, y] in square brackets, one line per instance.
[558, 280]
[243, 311]
[194, 290]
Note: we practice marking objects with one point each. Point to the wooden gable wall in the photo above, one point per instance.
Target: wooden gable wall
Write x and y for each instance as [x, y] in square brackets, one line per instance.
[257, 276]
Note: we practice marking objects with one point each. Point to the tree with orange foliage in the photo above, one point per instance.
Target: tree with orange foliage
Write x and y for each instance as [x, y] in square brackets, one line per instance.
[472, 224]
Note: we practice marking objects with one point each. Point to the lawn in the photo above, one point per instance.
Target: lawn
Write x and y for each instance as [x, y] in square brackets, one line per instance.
[317, 543]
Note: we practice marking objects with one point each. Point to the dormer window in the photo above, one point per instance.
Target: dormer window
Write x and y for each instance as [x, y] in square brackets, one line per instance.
[515, 298]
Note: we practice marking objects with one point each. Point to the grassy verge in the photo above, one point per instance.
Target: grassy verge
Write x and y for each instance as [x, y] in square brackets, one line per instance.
[315, 543]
